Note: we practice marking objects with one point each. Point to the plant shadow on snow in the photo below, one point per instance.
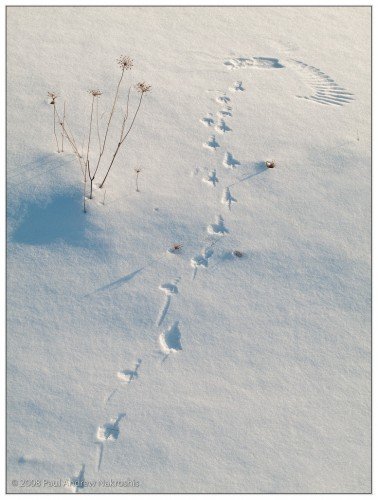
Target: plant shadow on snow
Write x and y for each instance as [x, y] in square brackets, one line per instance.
[58, 219]
[254, 168]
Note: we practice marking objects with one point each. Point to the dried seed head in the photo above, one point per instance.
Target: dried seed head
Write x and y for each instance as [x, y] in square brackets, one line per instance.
[95, 92]
[143, 87]
[125, 62]
[52, 96]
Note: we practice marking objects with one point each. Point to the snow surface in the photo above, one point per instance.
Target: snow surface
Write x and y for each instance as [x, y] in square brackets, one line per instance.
[270, 391]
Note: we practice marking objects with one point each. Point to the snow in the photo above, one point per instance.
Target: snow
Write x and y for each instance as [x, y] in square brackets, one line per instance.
[270, 389]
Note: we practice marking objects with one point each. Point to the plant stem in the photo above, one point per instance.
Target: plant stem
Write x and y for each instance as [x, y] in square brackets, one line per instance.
[126, 115]
[136, 182]
[85, 186]
[56, 137]
[132, 123]
[98, 128]
[89, 142]
[72, 142]
[122, 139]
[109, 121]
[64, 116]
[90, 196]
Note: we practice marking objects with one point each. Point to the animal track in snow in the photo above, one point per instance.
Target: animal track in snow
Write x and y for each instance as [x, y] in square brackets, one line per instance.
[211, 143]
[211, 178]
[110, 431]
[226, 111]
[126, 376]
[169, 289]
[223, 99]
[76, 483]
[227, 198]
[208, 120]
[253, 62]
[129, 375]
[170, 340]
[229, 161]
[221, 127]
[218, 227]
[325, 90]
[201, 260]
[237, 87]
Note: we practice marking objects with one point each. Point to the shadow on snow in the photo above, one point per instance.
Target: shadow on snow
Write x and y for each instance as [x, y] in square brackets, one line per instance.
[58, 219]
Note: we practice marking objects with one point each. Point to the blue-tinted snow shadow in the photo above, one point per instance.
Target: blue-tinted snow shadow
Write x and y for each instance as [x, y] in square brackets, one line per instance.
[254, 168]
[58, 219]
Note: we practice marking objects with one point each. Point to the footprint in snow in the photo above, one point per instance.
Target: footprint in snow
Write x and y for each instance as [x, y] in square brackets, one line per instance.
[208, 120]
[229, 161]
[221, 127]
[218, 227]
[129, 375]
[170, 340]
[253, 62]
[126, 376]
[201, 260]
[169, 289]
[110, 431]
[237, 87]
[211, 178]
[211, 143]
[227, 198]
[223, 99]
[76, 483]
[226, 111]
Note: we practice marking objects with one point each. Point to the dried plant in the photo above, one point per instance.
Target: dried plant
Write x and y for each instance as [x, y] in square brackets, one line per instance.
[64, 117]
[86, 159]
[176, 247]
[125, 62]
[137, 172]
[142, 88]
[70, 137]
[95, 95]
[237, 253]
[53, 98]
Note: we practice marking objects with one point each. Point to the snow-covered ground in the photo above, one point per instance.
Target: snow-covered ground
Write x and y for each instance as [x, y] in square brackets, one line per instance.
[196, 371]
